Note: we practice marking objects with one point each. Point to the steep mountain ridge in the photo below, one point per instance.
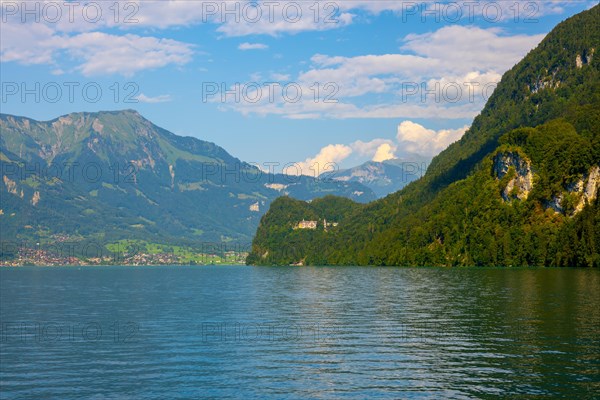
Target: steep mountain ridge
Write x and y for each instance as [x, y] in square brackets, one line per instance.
[387, 176]
[115, 175]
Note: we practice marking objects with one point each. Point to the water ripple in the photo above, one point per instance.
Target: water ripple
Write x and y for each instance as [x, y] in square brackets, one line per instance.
[292, 333]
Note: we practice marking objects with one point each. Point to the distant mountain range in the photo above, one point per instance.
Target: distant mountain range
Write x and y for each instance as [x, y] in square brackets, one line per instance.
[521, 187]
[385, 177]
[114, 175]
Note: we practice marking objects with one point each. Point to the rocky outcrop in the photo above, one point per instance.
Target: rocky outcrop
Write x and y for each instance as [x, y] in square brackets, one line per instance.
[556, 203]
[584, 191]
[585, 58]
[518, 168]
[97, 126]
[36, 198]
[546, 80]
[589, 191]
[11, 186]
[541, 84]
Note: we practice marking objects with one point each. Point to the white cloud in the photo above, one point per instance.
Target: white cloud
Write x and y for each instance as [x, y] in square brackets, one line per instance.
[411, 138]
[252, 46]
[233, 19]
[308, 109]
[163, 98]
[490, 11]
[356, 76]
[166, 14]
[384, 152]
[239, 18]
[282, 17]
[482, 79]
[416, 138]
[470, 58]
[94, 53]
[449, 51]
[109, 54]
[430, 109]
[369, 149]
[27, 44]
[327, 157]
[468, 47]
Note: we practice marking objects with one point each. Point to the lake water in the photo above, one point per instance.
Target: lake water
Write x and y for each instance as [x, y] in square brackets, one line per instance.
[244, 332]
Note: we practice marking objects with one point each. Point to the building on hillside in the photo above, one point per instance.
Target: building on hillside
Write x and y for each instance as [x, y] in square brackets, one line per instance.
[328, 224]
[306, 225]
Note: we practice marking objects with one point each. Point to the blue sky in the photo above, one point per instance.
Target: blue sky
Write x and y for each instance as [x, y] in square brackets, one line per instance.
[355, 81]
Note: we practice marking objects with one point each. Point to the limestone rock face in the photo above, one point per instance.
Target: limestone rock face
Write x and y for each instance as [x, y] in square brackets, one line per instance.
[585, 190]
[520, 185]
[585, 58]
[589, 190]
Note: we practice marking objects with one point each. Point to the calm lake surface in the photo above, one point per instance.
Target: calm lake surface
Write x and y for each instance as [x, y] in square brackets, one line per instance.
[247, 332]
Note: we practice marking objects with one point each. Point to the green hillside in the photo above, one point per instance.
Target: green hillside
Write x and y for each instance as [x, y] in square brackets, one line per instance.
[520, 188]
[114, 176]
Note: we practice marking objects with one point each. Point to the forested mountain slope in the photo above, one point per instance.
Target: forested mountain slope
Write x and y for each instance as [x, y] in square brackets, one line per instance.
[520, 188]
[112, 176]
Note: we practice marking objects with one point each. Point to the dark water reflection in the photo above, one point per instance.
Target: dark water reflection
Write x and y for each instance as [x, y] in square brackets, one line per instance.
[238, 332]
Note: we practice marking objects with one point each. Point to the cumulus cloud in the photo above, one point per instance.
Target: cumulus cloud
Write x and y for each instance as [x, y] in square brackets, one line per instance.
[384, 152]
[416, 138]
[252, 46]
[324, 161]
[411, 138]
[368, 149]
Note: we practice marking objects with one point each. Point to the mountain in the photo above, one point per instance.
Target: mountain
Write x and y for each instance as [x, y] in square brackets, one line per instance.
[385, 177]
[113, 176]
[520, 188]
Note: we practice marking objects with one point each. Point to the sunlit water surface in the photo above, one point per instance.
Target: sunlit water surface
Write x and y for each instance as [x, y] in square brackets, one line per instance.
[244, 332]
